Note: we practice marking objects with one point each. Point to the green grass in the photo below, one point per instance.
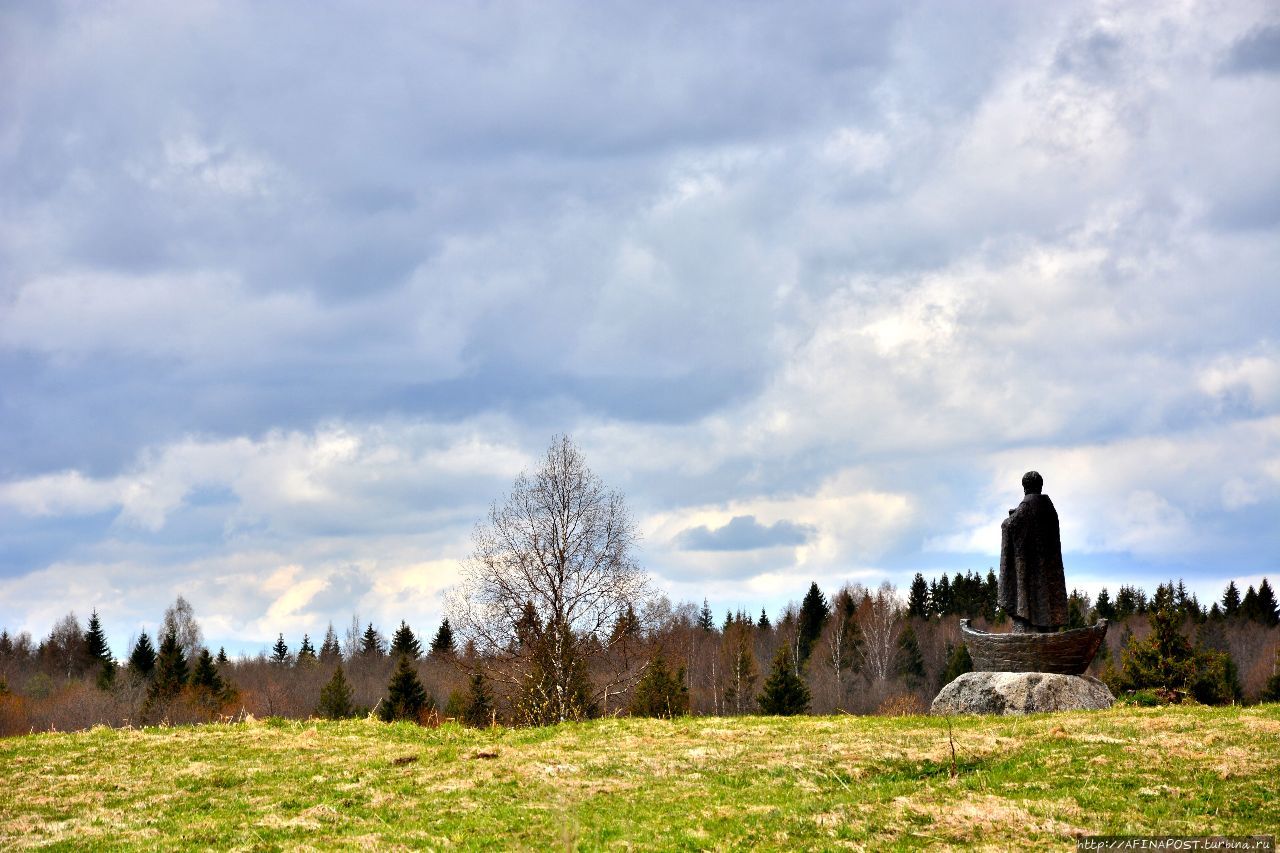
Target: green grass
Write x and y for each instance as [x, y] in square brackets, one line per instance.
[799, 783]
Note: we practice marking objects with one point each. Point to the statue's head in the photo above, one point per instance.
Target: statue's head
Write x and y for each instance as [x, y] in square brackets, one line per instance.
[1032, 483]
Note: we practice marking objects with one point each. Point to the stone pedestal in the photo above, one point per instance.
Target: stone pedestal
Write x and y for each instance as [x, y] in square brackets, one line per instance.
[1021, 693]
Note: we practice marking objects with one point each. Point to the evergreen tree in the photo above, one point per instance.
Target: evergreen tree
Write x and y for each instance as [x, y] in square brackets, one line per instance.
[98, 652]
[1103, 606]
[784, 693]
[280, 653]
[306, 652]
[171, 670]
[222, 656]
[941, 596]
[764, 624]
[706, 620]
[205, 675]
[991, 597]
[443, 644]
[335, 697]
[405, 644]
[479, 707]
[958, 663]
[1126, 602]
[142, 660]
[1165, 658]
[1231, 600]
[626, 627]
[406, 697]
[813, 616]
[1265, 606]
[918, 599]
[741, 674]
[660, 693]
[330, 651]
[1215, 613]
[909, 662]
[371, 643]
[1075, 610]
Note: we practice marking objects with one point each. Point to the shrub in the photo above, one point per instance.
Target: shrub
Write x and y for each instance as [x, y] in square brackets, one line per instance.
[660, 693]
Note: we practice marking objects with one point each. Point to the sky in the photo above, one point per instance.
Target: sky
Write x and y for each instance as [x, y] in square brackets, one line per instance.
[290, 293]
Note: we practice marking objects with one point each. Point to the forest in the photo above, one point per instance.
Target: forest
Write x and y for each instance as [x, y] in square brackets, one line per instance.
[855, 650]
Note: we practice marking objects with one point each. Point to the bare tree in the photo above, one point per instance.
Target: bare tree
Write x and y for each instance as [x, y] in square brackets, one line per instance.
[879, 617]
[180, 618]
[550, 575]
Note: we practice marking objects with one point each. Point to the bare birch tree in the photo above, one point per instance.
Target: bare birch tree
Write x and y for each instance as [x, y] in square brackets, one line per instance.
[550, 574]
[880, 619]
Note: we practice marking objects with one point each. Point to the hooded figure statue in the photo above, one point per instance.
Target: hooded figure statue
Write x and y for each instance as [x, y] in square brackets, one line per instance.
[1033, 589]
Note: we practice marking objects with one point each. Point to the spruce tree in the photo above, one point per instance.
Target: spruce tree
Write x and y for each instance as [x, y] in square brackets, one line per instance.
[442, 644]
[784, 694]
[1231, 600]
[280, 652]
[660, 692]
[909, 662]
[958, 663]
[764, 624]
[335, 697]
[813, 616]
[1103, 606]
[918, 598]
[222, 656]
[405, 644]
[625, 627]
[371, 643]
[479, 708]
[98, 652]
[706, 619]
[142, 660]
[1265, 607]
[205, 678]
[171, 671]
[306, 652]
[330, 651]
[406, 697]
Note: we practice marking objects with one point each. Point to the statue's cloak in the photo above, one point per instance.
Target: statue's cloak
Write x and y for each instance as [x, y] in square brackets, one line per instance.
[1032, 583]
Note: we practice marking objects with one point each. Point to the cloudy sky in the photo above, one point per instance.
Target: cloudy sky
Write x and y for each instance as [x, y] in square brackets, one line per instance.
[289, 293]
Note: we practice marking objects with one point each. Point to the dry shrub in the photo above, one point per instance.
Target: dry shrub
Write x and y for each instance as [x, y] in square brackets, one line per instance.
[14, 719]
[901, 705]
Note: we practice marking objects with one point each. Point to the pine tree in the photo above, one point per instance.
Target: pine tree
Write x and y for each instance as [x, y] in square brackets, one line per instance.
[1075, 610]
[405, 644]
[1231, 599]
[330, 651]
[764, 624]
[706, 619]
[784, 694]
[909, 662]
[1164, 658]
[142, 660]
[306, 652]
[813, 616]
[660, 693]
[98, 652]
[918, 599]
[335, 697]
[280, 653]
[958, 663]
[171, 671]
[406, 697]
[222, 656]
[442, 644]
[371, 643]
[479, 707]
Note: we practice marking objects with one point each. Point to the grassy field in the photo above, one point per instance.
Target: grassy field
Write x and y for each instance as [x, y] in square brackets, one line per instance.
[799, 783]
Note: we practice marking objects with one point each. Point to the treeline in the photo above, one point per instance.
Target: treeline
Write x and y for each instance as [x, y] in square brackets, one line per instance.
[857, 650]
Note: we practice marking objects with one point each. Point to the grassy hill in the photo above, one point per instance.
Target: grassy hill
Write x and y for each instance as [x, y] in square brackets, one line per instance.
[695, 783]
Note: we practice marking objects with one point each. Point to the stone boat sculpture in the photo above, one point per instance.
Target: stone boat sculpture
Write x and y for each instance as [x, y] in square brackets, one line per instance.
[1062, 652]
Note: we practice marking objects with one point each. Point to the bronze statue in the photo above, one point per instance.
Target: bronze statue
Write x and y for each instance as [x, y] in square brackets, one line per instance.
[1033, 589]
